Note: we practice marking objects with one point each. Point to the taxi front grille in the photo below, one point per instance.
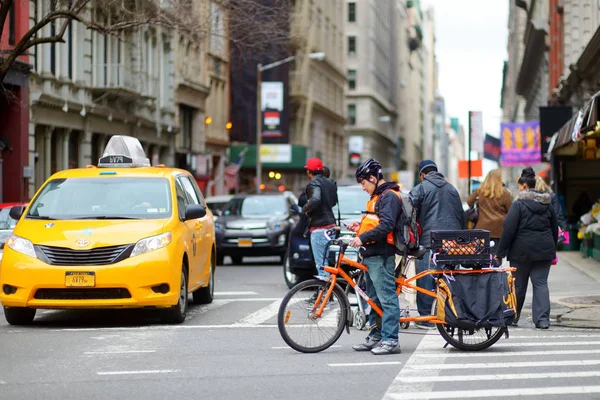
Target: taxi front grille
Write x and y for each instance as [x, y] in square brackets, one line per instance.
[98, 256]
[82, 294]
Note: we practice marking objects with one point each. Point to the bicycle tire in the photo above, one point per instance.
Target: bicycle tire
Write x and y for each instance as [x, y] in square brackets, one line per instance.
[452, 341]
[282, 325]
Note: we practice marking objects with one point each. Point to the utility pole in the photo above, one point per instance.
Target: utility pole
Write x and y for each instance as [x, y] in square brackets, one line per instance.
[469, 153]
[258, 126]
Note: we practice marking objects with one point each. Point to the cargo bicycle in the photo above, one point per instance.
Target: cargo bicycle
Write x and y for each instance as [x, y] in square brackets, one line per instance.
[313, 314]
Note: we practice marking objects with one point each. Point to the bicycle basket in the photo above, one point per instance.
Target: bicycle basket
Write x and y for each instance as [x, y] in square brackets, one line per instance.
[466, 247]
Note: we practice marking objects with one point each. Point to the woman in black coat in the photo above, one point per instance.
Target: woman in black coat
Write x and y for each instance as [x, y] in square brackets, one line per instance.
[529, 242]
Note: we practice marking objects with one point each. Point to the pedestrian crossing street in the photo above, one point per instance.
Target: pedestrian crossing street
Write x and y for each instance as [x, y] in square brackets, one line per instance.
[559, 363]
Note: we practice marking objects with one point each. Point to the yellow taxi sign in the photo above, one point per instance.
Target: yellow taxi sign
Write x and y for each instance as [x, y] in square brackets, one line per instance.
[124, 152]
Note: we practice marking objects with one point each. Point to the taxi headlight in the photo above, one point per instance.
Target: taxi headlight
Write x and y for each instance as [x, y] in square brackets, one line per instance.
[21, 245]
[151, 243]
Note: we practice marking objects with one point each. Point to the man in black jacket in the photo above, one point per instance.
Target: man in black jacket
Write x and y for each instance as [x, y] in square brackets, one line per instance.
[439, 208]
[321, 193]
[375, 233]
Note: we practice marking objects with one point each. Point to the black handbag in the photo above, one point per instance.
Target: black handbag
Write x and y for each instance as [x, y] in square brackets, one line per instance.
[472, 213]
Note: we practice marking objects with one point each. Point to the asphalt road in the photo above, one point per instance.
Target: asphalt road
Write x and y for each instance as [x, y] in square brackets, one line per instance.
[231, 349]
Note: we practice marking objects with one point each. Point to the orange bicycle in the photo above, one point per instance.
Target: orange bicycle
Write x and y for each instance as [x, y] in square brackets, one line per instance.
[313, 314]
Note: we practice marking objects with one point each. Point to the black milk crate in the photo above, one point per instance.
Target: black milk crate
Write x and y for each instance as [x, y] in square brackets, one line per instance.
[466, 247]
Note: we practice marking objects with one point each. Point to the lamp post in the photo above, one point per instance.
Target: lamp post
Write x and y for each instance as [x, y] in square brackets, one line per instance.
[259, 70]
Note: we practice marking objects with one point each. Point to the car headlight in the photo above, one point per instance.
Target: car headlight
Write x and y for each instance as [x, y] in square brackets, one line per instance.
[21, 245]
[276, 226]
[151, 243]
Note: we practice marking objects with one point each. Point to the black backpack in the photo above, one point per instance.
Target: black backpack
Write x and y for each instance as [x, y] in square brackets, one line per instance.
[407, 229]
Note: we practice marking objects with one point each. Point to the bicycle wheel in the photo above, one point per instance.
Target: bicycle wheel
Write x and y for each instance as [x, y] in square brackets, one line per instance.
[469, 340]
[297, 325]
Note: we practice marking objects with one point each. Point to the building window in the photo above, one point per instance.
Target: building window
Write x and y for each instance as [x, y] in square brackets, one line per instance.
[352, 12]
[70, 50]
[352, 114]
[352, 79]
[351, 45]
[187, 117]
[11, 26]
[52, 49]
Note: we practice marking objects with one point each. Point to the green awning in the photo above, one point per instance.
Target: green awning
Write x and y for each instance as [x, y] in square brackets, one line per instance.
[280, 156]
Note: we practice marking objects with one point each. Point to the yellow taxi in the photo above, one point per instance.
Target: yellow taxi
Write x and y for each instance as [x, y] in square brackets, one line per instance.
[123, 234]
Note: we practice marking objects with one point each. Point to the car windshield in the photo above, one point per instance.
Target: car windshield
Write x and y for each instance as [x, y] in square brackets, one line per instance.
[256, 206]
[103, 198]
[353, 201]
[6, 222]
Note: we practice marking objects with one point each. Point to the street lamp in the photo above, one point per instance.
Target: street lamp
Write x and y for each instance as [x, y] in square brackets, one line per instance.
[260, 68]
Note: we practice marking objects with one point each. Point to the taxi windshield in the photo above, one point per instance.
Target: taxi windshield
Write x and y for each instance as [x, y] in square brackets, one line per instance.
[103, 198]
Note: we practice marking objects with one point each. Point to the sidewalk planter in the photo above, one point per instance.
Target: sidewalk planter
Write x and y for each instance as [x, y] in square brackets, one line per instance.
[596, 241]
[596, 254]
[587, 248]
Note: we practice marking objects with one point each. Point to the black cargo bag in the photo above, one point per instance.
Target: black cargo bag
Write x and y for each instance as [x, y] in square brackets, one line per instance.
[481, 300]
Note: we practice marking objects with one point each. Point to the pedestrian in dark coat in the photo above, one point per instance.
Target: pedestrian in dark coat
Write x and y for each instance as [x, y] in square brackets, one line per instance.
[529, 242]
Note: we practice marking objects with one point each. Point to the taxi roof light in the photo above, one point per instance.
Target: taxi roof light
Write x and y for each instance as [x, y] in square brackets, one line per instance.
[123, 152]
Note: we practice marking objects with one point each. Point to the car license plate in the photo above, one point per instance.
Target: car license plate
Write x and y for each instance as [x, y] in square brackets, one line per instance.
[245, 243]
[80, 279]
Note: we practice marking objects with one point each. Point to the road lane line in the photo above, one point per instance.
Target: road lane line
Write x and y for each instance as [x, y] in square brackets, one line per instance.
[546, 344]
[491, 377]
[235, 293]
[461, 394]
[150, 371]
[523, 364]
[262, 315]
[512, 353]
[289, 348]
[365, 364]
[90, 353]
[554, 336]
[209, 307]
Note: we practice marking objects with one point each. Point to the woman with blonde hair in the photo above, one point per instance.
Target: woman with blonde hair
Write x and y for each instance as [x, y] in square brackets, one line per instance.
[542, 186]
[493, 201]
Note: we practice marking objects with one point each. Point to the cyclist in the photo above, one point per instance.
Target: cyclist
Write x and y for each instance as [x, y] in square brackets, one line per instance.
[375, 233]
[439, 208]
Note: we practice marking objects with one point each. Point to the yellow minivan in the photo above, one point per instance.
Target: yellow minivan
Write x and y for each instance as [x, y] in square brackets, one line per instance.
[123, 234]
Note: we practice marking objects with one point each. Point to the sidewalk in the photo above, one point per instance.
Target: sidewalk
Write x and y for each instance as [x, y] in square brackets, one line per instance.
[574, 292]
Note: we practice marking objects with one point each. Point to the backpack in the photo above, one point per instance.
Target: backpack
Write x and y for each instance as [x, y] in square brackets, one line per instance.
[407, 229]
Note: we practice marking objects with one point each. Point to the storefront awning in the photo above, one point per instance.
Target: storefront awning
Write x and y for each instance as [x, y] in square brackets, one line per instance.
[582, 124]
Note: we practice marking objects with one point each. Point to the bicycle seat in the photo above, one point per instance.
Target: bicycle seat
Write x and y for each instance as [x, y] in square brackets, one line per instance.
[417, 253]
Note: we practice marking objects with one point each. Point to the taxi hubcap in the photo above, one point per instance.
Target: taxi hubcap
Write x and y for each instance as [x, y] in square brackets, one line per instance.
[182, 294]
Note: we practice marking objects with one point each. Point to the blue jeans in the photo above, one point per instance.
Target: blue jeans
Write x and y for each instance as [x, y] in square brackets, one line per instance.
[381, 288]
[318, 244]
[424, 302]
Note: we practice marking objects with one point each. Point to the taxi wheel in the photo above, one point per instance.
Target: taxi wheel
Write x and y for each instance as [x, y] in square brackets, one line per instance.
[177, 313]
[19, 315]
[204, 295]
[220, 259]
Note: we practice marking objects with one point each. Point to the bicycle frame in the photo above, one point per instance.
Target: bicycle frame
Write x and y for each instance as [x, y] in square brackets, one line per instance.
[401, 281]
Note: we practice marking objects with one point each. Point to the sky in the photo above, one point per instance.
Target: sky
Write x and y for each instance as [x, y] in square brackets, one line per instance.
[471, 47]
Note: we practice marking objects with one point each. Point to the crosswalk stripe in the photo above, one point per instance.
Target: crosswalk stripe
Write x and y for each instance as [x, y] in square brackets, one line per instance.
[522, 364]
[456, 354]
[461, 394]
[262, 315]
[490, 377]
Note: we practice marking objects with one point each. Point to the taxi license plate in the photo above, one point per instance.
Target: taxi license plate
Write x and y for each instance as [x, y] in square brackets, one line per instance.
[245, 243]
[80, 279]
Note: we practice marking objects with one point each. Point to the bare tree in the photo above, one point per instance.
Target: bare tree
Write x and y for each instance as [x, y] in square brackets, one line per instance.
[252, 25]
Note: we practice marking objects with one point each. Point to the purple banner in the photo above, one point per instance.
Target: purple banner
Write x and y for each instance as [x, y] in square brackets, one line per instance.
[521, 144]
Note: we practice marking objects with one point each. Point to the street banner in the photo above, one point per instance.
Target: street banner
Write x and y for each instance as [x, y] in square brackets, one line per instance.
[476, 125]
[476, 168]
[272, 108]
[521, 143]
[491, 148]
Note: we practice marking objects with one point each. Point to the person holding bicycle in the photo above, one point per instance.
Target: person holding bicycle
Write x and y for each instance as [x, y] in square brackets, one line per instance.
[375, 235]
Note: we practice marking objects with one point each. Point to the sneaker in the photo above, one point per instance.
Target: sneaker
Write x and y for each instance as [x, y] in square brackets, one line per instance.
[542, 326]
[425, 325]
[367, 345]
[385, 347]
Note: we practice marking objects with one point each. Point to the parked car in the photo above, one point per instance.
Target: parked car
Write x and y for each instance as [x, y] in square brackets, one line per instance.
[255, 225]
[7, 224]
[298, 263]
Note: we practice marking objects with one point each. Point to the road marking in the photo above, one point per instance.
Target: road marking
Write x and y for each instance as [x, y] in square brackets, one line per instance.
[289, 348]
[262, 315]
[467, 378]
[118, 352]
[523, 364]
[235, 293]
[208, 307]
[365, 364]
[555, 336]
[499, 392]
[163, 328]
[511, 353]
[503, 344]
[151, 371]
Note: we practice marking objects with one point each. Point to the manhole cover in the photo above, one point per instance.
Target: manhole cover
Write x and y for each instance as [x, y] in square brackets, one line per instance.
[587, 300]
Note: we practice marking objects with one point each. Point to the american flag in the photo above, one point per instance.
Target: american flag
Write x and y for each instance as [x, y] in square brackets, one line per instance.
[232, 170]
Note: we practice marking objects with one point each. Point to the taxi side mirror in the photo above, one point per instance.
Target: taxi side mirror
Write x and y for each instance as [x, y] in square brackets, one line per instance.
[16, 212]
[195, 211]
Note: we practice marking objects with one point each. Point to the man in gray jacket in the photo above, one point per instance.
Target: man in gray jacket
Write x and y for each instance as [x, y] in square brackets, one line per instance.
[439, 208]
